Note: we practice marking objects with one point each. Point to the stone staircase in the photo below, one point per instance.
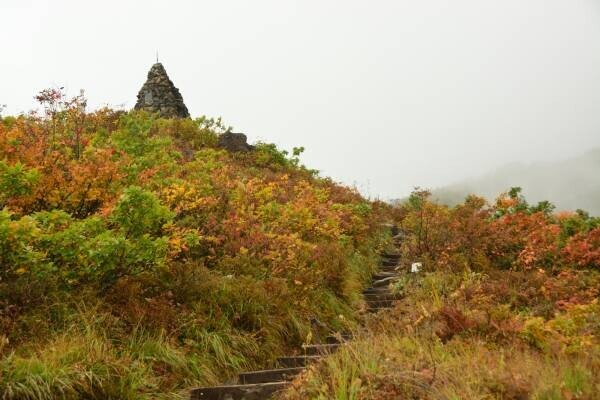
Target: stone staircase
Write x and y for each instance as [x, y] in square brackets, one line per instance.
[261, 385]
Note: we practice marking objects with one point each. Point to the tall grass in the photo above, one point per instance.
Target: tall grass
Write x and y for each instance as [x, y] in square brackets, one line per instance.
[73, 366]
[92, 355]
[397, 367]
[466, 336]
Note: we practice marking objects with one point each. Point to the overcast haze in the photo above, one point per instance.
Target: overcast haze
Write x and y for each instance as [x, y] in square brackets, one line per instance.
[386, 95]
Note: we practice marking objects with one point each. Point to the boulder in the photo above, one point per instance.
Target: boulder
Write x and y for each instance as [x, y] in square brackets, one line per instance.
[234, 142]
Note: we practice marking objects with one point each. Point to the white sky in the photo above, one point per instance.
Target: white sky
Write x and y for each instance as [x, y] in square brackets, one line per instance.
[386, 95]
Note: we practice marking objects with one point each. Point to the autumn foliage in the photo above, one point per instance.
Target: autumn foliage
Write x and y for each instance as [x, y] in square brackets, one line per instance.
[506, 306]
[177, 262]
[509, 234]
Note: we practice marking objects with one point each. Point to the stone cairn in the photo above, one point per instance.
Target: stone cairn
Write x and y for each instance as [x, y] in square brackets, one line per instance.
[159, 95]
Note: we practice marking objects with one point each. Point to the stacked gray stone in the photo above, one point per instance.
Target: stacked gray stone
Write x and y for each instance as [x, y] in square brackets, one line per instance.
[159, 95]
[234, 142]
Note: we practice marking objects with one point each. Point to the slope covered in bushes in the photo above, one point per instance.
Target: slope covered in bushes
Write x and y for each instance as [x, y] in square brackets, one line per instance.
[506, 307]
[137, 258]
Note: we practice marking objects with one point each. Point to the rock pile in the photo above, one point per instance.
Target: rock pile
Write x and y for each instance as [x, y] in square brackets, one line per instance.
[160, 95]
[234, 142]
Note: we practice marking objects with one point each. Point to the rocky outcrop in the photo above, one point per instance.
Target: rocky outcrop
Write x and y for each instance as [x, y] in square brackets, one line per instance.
[234, 142]
[159, 95]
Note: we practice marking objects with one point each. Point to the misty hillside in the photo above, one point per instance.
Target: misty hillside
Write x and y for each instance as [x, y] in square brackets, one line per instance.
[140, 255]
[569, 184]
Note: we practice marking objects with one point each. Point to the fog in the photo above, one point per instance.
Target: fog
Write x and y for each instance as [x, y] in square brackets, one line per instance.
[569, 184]
[384, 95]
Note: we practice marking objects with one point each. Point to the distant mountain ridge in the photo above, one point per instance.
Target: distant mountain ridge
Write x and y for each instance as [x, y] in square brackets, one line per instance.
[570, 184]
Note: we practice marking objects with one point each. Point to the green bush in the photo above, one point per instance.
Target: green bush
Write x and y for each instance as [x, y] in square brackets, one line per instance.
[139, 212]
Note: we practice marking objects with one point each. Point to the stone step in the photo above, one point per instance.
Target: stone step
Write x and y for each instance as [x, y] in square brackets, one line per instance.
[320, 349]
[332, 339]
[384, 274]
[269, 375]
[379, 303]
[389, 268]
[389, 263]
[378, 296]
[258, 391]
[387, 271]
[390, 256]
[377, 290]
[383, 282]
[392, 273]
[297, 361]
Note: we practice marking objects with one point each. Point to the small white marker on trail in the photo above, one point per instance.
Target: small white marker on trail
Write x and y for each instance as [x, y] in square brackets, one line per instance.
[416, 267]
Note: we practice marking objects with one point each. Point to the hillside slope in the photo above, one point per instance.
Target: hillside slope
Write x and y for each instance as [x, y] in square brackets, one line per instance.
[506, 306]
[137, 259]
[570, 184]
